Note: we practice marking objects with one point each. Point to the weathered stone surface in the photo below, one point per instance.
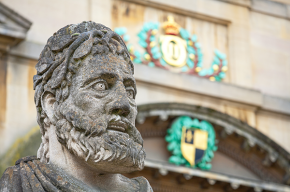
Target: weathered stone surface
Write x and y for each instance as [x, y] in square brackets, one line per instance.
[29, 174]
[85, 100]
[24, 146]
[218, 24]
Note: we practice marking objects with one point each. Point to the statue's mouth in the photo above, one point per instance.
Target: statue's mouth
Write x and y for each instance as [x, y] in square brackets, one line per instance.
[118, 126]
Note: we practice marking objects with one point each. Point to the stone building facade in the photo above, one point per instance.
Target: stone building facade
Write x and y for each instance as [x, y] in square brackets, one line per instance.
[254, 34]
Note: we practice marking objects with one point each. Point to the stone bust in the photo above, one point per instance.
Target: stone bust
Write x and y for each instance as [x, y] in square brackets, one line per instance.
[85, 100]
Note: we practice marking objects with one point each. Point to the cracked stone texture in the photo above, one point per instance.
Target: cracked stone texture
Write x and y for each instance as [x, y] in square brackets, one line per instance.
[85, 101]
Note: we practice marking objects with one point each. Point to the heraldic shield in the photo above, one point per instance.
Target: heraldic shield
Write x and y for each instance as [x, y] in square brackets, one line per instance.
[193, 144]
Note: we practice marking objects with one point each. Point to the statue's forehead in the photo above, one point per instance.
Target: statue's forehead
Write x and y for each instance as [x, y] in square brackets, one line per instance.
[100, 64]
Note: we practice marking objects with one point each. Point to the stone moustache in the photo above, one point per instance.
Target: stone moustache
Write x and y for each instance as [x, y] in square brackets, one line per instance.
[85, 100]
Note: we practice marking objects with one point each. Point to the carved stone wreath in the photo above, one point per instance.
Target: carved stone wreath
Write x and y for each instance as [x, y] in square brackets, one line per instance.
[153, 56]
[173, 137]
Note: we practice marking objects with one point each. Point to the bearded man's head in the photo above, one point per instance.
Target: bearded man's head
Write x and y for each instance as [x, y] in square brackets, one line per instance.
[85, 88]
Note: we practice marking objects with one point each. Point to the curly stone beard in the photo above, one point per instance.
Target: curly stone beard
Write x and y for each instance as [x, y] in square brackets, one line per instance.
[95, 144]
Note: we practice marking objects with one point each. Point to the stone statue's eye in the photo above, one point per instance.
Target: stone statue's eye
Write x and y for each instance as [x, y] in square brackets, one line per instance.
[130, 94]
[100, 86]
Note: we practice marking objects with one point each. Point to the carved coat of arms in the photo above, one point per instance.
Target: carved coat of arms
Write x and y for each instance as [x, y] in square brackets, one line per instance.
[191, 142]
[173, 48]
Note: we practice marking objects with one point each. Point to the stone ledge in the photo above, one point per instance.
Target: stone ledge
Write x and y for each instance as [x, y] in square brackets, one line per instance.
[176, 7]
[267, 7]
[198, 85]
[256, 184]
[27, 49]
[213, 89]
[276, 9]
[276, 104]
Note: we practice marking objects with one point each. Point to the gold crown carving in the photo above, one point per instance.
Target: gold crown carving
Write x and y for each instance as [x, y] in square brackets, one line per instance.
[170, 27]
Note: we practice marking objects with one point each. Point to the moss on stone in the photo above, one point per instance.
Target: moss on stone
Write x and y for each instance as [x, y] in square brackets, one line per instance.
[23, 146]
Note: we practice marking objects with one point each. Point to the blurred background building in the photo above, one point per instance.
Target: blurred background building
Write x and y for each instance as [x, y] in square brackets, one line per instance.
[226, 62]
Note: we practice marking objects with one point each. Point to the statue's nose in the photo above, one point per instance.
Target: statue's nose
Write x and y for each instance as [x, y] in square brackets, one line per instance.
[122, 111]
[120, 105]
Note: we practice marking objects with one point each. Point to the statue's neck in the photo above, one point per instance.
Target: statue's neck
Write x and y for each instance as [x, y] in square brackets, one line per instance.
[76, 167]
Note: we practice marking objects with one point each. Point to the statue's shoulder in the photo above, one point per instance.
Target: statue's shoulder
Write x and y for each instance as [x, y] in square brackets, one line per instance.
[144, 184]
[12, 178]
[29, 174]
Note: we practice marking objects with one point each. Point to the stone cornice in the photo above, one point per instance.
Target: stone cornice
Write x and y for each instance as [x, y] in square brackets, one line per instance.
[225, 126]
[15, 16]
[267, 7]
[166, 167]
[13, 28]
[167, 7]
[219, 90]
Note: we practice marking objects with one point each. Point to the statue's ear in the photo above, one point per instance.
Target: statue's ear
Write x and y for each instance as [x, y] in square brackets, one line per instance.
[47, 101]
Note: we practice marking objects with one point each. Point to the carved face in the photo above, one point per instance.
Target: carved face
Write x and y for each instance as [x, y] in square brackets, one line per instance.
[102, 109]
[104, 86]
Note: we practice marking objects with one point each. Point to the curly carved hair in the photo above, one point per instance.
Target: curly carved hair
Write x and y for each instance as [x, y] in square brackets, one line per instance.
[59, 60]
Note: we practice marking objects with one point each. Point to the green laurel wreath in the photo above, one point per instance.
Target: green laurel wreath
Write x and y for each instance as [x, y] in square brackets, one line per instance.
[153, 56]
[173, 138]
